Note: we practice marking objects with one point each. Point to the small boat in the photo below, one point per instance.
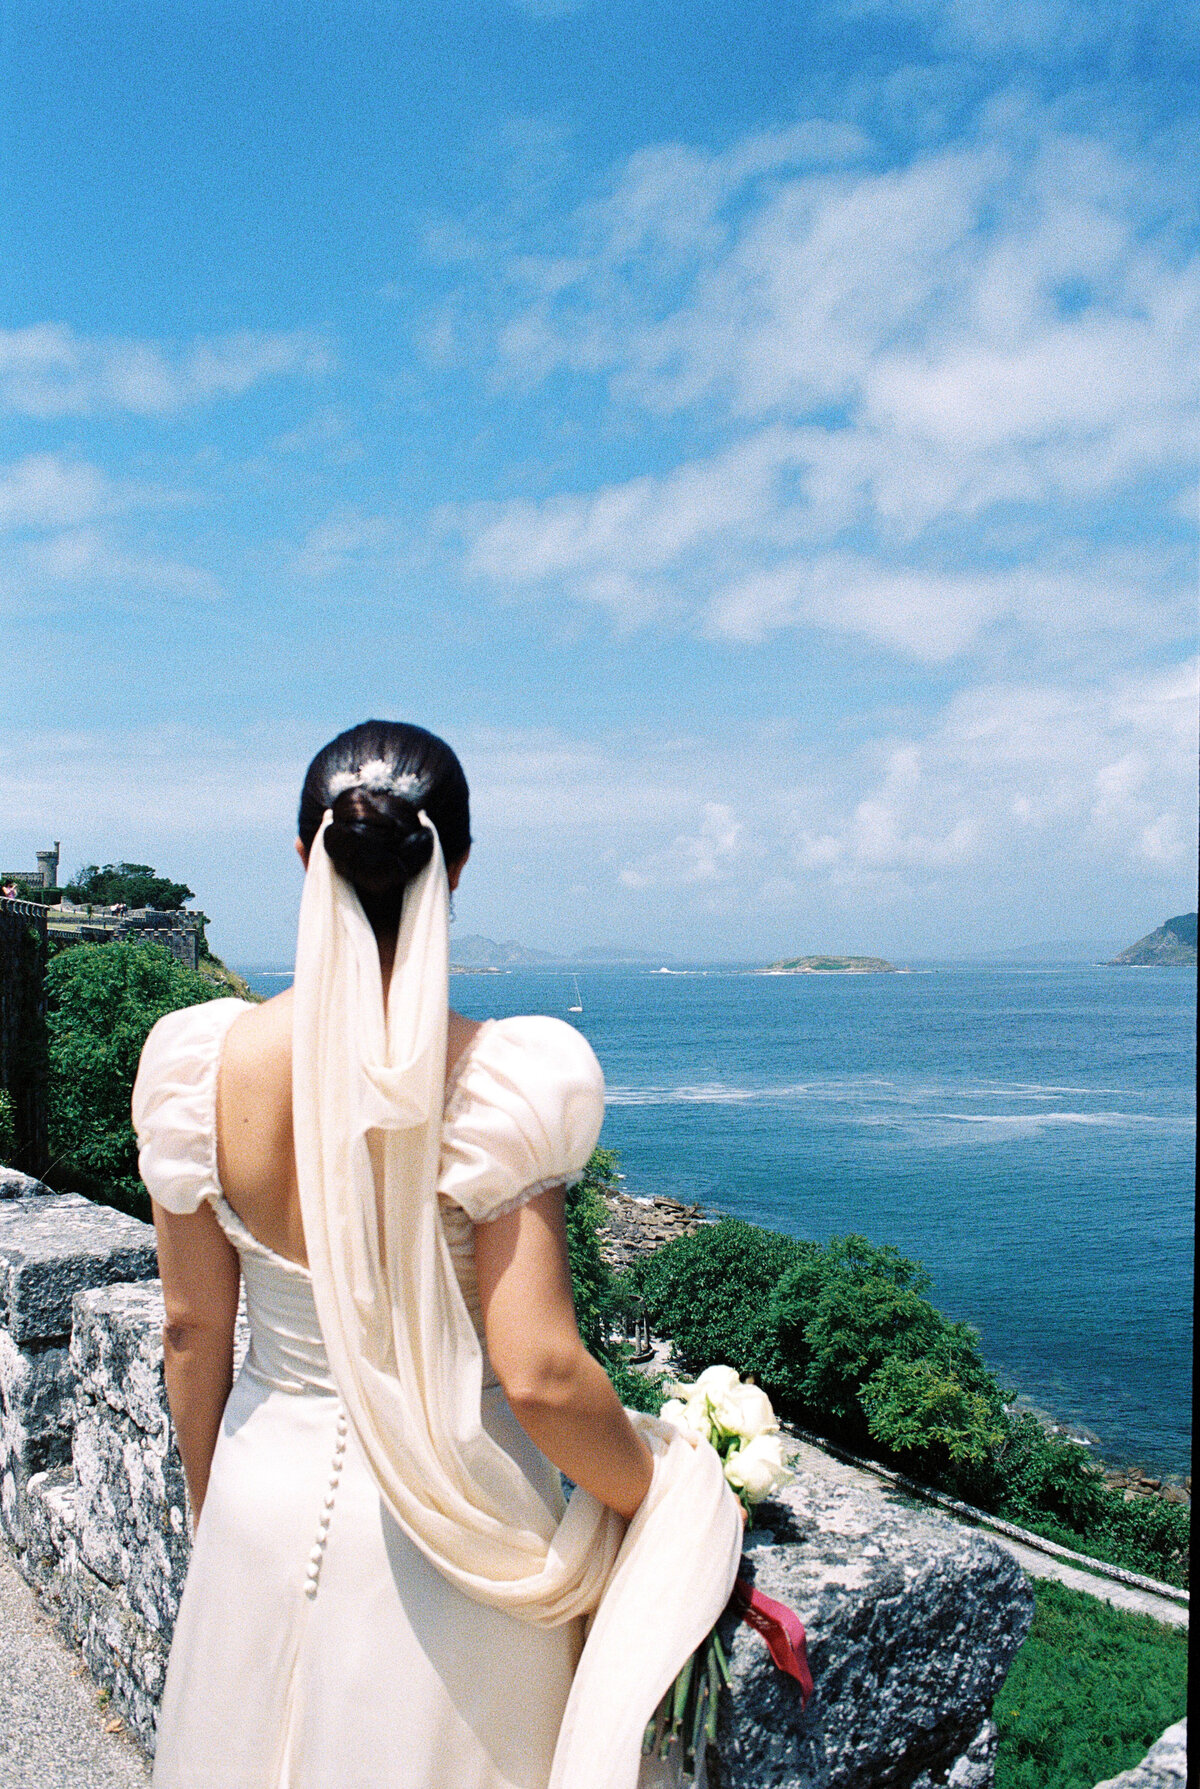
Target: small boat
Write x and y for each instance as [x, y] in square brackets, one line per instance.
[578, 1006]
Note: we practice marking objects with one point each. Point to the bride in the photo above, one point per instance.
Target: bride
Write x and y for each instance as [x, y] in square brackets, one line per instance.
[387, 1588]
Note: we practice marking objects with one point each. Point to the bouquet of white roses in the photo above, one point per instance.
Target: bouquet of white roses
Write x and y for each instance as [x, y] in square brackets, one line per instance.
[736, 1418]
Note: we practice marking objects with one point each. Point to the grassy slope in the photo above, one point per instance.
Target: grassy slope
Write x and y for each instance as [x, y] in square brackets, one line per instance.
[1090, 1691]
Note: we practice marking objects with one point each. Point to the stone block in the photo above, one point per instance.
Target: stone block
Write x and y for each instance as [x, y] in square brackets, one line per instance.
[912, 1624]
[37, 1412]
[117, 1351]
[15, 1185]
[51, 1248]
[1163, 1767]
[130, 1513]
[131, 1508]
[122, 1652]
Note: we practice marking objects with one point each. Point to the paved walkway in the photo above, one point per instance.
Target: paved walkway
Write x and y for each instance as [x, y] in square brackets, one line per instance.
[52, 1725]
[1037, 1564]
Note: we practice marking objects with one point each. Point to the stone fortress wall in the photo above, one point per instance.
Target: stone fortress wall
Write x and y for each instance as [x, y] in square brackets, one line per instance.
[912, 1620]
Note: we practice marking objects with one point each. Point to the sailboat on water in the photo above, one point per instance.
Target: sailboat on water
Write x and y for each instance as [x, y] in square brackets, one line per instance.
[578, 1006]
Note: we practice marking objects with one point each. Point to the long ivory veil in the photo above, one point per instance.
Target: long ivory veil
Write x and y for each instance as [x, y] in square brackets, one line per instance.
[408, 1363]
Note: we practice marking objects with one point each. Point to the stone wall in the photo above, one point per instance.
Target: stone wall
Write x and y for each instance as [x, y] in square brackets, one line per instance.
[912, 1620]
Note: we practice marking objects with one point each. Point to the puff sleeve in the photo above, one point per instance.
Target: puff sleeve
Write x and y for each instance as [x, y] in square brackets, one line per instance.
[175, 1104]
[524, 1115]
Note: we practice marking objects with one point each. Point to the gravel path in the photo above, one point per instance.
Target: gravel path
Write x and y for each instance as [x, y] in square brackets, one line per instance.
[52, 1726]
[1038, 1565]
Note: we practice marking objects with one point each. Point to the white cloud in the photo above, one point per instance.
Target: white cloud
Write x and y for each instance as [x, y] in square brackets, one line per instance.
[710, 854]
[1014, 813]
[346, 539]
[44, 490]
[84, 556]
[892, 356]
[46, 370]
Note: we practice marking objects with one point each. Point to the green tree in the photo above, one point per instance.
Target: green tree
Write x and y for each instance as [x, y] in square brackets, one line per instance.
[136, 884]
[599, 1298]
[102, 1000]
[711, 1292]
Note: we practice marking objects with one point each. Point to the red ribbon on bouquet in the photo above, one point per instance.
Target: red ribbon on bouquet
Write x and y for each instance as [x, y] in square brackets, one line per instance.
[782, 1630]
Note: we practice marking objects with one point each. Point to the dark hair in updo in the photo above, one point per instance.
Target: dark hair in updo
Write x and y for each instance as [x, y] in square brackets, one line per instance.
[377, 778]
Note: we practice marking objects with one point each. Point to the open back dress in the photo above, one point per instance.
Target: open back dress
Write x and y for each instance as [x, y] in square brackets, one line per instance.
[316, 1647]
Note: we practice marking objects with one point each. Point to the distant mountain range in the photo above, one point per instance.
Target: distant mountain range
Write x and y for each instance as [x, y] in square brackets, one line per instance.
[1173, 945]
[476, 952]
[473, 951]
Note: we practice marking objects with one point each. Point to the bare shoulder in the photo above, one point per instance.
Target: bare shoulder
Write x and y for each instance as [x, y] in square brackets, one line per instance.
[260, 1040]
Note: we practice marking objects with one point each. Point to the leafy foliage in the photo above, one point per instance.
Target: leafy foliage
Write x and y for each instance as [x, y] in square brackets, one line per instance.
[136, 884]
[102, 1001]
[1089, 1692]
[711, 1292]
[8, 1126]
[600, 1302]
[845, 1339]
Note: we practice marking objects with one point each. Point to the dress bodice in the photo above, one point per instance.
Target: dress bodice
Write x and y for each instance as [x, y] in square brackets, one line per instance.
[287, 1350]
[524, 1101]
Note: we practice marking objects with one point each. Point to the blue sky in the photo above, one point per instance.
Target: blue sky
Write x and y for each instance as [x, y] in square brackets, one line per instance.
[761, 439]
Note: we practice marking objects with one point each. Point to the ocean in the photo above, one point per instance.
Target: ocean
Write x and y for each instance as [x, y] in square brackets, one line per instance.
[1025, 1133]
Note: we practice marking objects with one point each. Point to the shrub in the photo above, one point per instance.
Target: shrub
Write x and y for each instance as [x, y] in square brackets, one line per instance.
[1044, 1475]
[8, 1126]
[711, 1292]
[591, 1277]
[600, 1301]
[1089, 1692]
[102, 1000]
[844, 1339]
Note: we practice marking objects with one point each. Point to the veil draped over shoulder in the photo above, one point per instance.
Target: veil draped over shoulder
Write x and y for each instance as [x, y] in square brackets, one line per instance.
[368, 1094]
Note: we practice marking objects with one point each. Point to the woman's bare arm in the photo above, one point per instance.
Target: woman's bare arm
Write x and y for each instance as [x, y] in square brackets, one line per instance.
[200, 1280]
[561, 1397]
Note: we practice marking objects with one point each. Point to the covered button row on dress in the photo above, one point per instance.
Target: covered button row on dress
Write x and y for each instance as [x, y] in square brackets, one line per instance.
[313, 1573]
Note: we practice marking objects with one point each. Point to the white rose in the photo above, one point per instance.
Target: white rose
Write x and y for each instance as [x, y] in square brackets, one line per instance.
[680, 1417]
[758, 1468]
[746, 1411]
[736, 1408]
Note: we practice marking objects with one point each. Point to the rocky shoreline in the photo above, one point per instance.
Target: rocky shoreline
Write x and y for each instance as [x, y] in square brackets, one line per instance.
[637, 1226]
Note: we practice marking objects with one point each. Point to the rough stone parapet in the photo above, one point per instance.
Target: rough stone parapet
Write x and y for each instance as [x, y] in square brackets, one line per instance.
[1163, 1767]
[912, 1625]
[15, 1185]
[51, 1247]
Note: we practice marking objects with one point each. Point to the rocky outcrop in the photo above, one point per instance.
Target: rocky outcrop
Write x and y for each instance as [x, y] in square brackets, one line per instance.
[830, 966]
[1163, 1767]
[639, 1226]
[1173, 945]
[912, 1625]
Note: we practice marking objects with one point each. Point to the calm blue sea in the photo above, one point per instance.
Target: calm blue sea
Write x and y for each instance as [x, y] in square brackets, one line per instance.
[1028, 1134]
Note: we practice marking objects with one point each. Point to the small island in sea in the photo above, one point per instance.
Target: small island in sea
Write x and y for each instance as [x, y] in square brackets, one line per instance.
[830, 966]
[1172, 945]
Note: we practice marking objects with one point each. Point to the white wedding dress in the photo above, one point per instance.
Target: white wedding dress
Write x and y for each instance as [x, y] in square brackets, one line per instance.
[316, 1646]
[387, 1590]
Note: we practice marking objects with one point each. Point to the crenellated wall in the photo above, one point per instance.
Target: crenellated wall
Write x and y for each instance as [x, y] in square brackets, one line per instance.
[912, 1619]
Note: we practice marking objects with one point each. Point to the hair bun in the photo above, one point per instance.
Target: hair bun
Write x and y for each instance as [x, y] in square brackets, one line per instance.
[376, 840]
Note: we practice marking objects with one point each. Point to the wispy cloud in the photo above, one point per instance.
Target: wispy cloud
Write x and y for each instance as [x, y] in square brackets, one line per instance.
[896, 371]
[47, 371]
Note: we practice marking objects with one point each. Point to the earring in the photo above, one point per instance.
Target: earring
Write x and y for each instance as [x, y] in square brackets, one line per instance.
[453, 914]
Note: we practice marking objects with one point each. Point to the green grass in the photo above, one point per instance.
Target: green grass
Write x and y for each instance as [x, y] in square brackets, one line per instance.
[1089, 1692]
